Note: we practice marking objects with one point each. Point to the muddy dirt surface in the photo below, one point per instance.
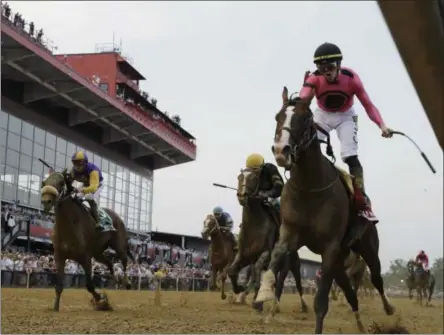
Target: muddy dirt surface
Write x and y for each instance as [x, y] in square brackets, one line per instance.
[29, 311]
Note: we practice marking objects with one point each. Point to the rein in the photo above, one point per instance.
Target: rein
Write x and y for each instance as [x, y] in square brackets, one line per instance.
[297, 149]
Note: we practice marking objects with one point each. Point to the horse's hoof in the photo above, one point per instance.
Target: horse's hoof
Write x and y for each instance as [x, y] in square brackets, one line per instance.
[258, 306]
[223, 296]
[102, 304]
[390, 310]
[265, 294]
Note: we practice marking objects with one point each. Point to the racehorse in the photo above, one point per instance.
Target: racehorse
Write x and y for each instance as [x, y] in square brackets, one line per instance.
[75, 236]
[221, 254]
[318, 211]
[424, 282]
[258, 235]
[410, 281]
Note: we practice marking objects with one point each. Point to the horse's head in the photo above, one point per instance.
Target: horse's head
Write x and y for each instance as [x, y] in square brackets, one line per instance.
[210, 225]
[52, 189]
[295, 130]
[411, 266]
[247, 185]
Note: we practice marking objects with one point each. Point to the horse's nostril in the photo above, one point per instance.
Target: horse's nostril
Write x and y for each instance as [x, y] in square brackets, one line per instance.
[286, 150]
[273, 149]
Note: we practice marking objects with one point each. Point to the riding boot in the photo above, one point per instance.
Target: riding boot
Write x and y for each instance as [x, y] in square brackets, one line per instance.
[362, 201]
[95, 213]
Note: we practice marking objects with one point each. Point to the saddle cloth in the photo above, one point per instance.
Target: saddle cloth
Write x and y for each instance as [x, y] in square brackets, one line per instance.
[106, 223]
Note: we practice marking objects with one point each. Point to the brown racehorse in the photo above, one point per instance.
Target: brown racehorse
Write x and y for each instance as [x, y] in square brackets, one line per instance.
[258, 235]
[317, 211]
[75, 236]
[222, 253]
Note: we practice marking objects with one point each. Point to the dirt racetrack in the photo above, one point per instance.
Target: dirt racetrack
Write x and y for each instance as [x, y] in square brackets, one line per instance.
[28, 311]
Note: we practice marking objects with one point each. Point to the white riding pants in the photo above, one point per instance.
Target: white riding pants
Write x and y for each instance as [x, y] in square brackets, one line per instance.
[346, 126]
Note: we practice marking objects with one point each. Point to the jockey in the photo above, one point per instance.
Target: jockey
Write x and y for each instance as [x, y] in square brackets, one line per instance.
[335, 87]
[225, 223]
[423, 259]
[271, 183]
[91, 177]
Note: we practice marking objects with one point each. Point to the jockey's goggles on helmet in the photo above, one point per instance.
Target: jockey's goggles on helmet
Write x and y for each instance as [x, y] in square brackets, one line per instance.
[327, 67]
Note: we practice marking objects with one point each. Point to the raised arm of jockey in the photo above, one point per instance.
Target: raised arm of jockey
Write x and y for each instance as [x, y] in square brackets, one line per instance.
[371, 110]
[307, 91]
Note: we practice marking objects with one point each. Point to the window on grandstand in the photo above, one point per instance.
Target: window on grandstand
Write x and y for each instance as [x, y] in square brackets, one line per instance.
[13, 141]
[39, 136]
[26, 146]
[3, 120]
[61, 145]
[14, 125]
[104, 165]
[27, 130]
[50, 140]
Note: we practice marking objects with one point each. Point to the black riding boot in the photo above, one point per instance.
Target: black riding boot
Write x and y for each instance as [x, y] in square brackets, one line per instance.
[95, 212]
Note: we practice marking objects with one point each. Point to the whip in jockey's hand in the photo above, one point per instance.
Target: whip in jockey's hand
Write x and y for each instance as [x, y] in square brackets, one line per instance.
[386, 132]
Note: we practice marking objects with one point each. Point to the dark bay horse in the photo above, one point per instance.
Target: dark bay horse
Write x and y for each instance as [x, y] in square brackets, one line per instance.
[75, 237]
[422, 280]
[221, 253]
[258, 235]
[317, 211]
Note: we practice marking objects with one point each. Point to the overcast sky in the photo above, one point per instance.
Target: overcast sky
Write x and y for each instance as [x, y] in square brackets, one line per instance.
[221, 66]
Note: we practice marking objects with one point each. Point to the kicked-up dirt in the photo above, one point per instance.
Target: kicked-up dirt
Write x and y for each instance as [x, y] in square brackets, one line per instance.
[29, 311]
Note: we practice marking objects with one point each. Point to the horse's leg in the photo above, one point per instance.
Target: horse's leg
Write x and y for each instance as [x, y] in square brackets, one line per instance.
[101, 258]
[277, 256]
[60, 277]
[350, 294]
[223, 278]
[295, 268]
[283, 273]
[329, 263]
[122, 255]
[233, 273]
[213, 285]
[369, 248]
[334, 291]
[87, 267]
[255, 275]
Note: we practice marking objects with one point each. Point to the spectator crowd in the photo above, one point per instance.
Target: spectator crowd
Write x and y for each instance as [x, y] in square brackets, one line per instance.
[28, 28]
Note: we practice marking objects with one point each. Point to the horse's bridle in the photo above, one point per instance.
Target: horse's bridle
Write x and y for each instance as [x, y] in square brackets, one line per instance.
[309, 135]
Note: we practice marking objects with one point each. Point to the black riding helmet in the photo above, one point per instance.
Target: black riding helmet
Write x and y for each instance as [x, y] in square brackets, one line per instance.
[327, 53]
